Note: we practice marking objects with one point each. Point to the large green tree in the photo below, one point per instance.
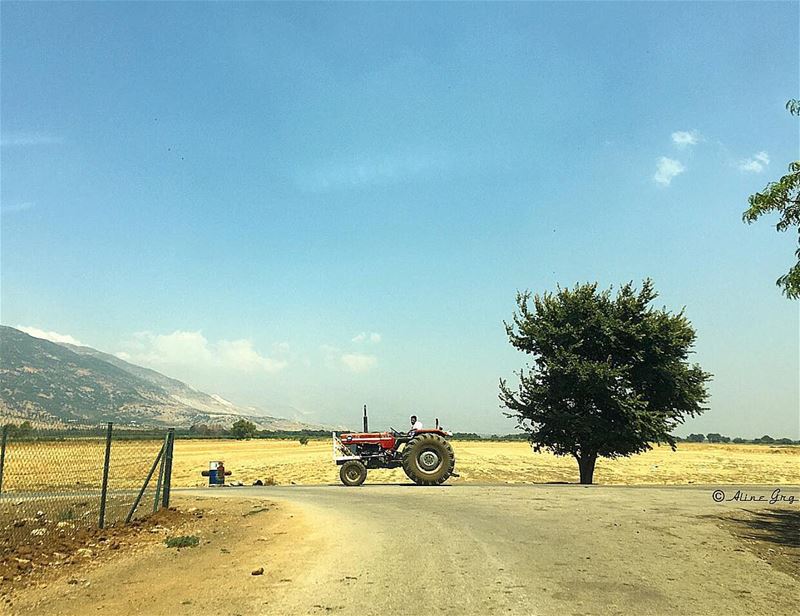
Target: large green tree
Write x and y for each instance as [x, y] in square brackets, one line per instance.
[242, 429]
[782, 197]
[610, 374]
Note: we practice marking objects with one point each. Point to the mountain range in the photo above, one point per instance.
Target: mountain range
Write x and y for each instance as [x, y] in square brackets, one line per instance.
[51, 383]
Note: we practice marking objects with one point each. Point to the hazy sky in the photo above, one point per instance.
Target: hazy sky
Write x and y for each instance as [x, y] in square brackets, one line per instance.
[321, 206]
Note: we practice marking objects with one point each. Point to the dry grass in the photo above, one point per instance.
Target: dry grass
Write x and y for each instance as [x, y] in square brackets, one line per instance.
[286, 462]
[76, 465]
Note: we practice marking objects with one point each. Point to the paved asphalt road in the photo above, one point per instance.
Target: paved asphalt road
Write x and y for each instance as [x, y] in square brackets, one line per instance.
[542, 549]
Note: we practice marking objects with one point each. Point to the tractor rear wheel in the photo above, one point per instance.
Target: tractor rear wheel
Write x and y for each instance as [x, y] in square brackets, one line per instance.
[428, 460]
[353, 473]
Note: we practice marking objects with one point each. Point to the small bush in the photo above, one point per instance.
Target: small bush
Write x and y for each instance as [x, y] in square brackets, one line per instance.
[66, 515]
[303, 440]
[184, 541]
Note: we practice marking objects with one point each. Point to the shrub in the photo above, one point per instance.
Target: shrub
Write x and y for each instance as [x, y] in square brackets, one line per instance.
[66, 514]
[184, 541]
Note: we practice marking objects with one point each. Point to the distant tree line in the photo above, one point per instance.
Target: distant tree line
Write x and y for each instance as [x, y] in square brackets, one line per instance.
[472, 436]
[711, 437]
[244, 429]
[714, 437]
[241, 429]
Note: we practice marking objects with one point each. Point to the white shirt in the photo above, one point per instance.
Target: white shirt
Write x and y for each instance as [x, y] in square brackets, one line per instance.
[417, 426]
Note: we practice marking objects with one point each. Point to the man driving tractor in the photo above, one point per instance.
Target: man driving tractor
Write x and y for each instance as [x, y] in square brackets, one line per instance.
[425, 455]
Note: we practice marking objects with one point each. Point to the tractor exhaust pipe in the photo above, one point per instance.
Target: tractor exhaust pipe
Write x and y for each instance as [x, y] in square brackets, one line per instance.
[366, 424]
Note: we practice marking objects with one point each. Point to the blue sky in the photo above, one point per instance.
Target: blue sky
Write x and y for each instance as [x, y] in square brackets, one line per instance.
[320, 206]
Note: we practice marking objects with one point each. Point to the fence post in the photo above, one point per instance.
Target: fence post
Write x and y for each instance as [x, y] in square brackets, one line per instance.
[159, 457]
[3, 440]
[168, 467]
[160, 473]
[104, 488]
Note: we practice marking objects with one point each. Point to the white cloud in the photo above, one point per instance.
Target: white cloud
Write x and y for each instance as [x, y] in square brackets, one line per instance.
[240, 355]
[755, 164]
[27, 139]
[182, 348]
[51, 336]
[358, 362]
[684, 138]
[335, 359]
[666, 169]
[373, 337]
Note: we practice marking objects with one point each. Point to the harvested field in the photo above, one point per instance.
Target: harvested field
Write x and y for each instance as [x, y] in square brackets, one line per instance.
[286, 462]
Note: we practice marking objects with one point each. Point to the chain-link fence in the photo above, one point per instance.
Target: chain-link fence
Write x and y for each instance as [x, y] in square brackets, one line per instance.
[62, 480]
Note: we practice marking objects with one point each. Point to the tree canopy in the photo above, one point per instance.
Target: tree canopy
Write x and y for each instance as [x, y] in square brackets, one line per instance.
[610, 374]
[242, 429]
[782, 197]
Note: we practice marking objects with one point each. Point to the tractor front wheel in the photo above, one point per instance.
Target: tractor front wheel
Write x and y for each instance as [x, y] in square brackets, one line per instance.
[353, 473]
[428, 460]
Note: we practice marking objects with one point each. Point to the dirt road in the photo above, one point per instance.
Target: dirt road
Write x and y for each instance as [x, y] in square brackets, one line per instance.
[467, 550]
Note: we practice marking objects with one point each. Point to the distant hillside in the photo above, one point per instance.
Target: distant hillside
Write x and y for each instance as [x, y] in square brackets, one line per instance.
[178, 391]
[52, 383]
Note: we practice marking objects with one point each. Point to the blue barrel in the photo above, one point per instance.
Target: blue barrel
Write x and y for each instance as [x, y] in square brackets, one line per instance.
[213, 473]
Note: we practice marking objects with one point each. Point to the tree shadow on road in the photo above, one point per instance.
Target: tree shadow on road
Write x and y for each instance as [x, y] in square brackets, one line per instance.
[771, 534]
[781, 526]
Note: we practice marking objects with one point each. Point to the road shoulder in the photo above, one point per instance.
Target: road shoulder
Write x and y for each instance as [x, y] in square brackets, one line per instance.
[237, 537]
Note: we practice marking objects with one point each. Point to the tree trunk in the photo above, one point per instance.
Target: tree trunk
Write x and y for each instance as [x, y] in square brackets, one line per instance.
[586, 464]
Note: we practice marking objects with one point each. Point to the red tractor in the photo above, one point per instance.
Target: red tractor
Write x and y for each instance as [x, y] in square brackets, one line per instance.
[425, 455]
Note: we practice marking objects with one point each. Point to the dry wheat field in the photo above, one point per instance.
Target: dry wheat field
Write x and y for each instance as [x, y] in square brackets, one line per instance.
[286, 462]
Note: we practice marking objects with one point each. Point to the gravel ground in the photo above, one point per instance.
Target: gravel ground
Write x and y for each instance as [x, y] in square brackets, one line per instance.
[463, 549]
